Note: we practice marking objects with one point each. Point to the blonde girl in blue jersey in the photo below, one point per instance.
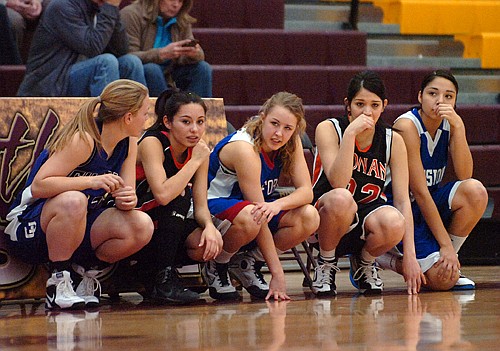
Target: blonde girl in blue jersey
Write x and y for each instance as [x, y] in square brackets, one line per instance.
[444, 214]
[79, 199]
[243, 173]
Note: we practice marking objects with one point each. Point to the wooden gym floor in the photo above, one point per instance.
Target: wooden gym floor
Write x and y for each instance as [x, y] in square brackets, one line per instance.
[468, 320]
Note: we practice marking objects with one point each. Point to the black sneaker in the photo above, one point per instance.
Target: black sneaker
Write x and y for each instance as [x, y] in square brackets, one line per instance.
[323, 283]
[217, 278]
[364, 276]
[169, 289]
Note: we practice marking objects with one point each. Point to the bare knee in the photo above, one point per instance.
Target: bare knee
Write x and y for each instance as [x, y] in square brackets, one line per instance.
[393, 227]
[338, 203]
[475, 194]
[308, 219]
[71, 206]
[245, 226]
[141, 228]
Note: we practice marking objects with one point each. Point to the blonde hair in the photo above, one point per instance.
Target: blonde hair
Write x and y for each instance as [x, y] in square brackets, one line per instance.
[117, 99]
[292, 103]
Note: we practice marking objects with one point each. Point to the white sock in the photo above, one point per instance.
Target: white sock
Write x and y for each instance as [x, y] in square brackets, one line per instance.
[365, 256]
[388, 261]
[327, 255]
[457, 241]
[224, 256]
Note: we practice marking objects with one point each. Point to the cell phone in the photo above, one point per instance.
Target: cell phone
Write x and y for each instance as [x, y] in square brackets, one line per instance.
[192, 43]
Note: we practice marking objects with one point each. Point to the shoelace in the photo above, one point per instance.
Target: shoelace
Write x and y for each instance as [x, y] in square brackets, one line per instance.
[90, 282]
[370, 272]
[325, 278]
[66, 288]
[221, 272]
[257, 266]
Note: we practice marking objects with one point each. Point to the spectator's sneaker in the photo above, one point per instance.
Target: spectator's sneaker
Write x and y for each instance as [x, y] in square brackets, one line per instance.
[217, 278]
[364, 276]
[168, 288]
[89, 287]
[323, 283]
[60, 293]
[246, 269]
[464, 283]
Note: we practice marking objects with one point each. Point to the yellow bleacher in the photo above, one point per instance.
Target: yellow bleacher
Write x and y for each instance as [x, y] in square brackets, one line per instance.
[474, 22]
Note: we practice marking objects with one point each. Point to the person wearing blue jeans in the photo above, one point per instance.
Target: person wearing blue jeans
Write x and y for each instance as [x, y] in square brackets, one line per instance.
[79, 47]
[160, 34]
[196, 77]
[89, 77]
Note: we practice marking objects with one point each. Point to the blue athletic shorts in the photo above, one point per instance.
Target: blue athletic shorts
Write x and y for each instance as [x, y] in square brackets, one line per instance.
[425, 242]
[31, 244]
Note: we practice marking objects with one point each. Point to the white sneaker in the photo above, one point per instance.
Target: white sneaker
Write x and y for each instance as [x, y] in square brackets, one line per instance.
[323, 283]
[60, 293]
[89, 288]
[364, 276]
[246, 269]
[219, 284]
[464, 283]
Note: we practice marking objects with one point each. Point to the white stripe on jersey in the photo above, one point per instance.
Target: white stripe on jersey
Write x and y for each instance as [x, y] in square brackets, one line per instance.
[431, 144]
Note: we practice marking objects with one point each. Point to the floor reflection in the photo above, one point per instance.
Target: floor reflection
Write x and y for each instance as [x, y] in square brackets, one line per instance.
[392, 321]
[68, 331]
[425, 321]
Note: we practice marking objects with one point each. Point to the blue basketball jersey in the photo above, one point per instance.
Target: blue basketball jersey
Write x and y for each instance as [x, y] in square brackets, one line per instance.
[223, 182]
[433, 152]
[97, 164]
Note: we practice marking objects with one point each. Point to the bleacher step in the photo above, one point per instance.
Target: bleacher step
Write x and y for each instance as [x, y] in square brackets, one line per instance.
[372, 27]
[435, 47]
[331, 12]
[422, 61]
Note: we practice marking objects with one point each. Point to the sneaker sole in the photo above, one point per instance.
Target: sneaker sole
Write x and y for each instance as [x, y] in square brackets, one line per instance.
[54, 307]
[463, 287]
[232, 296]
[325, 293]
[257, 292]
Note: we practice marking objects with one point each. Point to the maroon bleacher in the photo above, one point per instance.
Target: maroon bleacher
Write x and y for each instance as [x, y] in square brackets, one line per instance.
[239, 13]
[10, 79]
[315, 84]
[235, 46]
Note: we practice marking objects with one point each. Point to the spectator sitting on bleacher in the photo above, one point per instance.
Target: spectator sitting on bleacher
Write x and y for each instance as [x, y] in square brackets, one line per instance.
[161, 36]
[444, 213]
[78, 48]
[23, 17]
